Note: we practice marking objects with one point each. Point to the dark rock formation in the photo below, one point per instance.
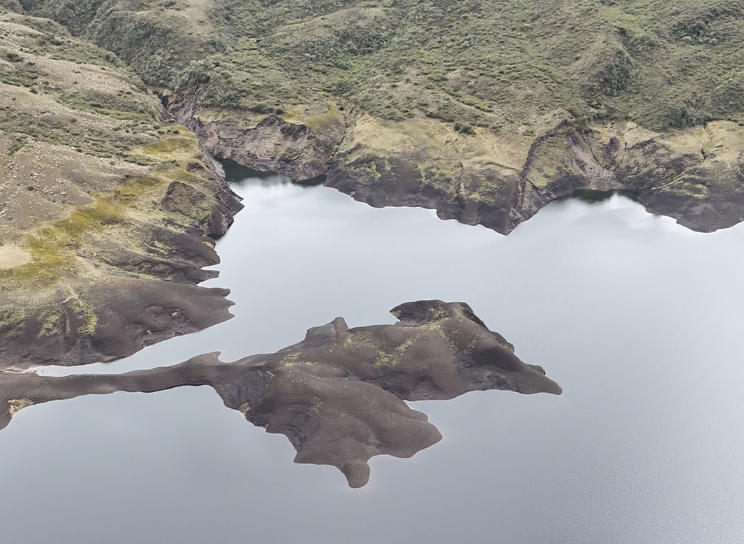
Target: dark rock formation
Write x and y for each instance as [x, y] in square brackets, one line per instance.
[666, 172]
[401, 185]
[140, 284]
[272, 145]
[339, 394]
[702, 192]
[152, 296]
[118, 318]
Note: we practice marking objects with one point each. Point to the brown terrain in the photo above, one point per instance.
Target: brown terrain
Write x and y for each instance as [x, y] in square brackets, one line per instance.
[339, 394]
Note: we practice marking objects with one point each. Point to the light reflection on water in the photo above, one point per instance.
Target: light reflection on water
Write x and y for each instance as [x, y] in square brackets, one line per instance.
[636, 318]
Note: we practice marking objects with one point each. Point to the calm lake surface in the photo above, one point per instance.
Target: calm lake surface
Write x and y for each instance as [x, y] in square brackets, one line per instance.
[639, 320]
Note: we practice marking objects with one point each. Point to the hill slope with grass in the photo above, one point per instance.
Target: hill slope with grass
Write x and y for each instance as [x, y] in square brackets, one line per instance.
[105, 210]
[495, 107]
[493, 64]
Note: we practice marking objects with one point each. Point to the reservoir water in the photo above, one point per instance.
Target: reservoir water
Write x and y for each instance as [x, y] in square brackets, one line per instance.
[638, 319]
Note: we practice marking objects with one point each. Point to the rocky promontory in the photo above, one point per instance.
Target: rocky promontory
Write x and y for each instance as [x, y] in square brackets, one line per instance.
[339, 395]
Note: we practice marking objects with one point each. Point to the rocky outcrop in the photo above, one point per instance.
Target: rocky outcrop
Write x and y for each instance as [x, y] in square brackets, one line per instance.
[405, 181]
[130, 283]
[209, 212]
[272, 145]
[108, 320]
[339, 394]
[132, 299]
[669, 174]
[692, 175]
[112, 277]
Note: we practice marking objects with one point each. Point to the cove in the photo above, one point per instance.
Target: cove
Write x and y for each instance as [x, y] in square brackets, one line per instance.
[637, 318]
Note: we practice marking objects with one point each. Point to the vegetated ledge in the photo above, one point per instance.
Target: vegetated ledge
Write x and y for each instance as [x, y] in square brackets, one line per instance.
[693, 175]
[339, 394]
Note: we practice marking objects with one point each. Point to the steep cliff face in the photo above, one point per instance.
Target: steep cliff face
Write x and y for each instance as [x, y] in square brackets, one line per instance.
[693, 175]
[271, 145]
[670, 174]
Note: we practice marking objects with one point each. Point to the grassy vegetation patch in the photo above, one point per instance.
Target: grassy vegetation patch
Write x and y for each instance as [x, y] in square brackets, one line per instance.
[110, 106]
[53, 246]
[172, 146]
[492, 64]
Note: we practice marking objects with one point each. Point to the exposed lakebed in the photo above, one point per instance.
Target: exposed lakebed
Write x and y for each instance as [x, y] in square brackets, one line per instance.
[638, 319]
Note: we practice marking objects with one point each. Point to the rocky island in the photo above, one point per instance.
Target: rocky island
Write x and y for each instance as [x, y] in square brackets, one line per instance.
[339, 394]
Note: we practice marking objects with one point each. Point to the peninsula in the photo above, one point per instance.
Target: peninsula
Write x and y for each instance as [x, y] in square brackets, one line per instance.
[339, 394]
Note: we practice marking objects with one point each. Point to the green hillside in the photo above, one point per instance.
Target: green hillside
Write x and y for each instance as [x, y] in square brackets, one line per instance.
[494, 64]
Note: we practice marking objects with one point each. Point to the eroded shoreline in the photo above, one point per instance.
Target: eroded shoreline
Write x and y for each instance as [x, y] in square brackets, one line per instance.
[694, 176]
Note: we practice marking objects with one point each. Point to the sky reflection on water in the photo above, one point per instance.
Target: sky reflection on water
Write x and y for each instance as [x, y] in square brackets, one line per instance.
[638, 319]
